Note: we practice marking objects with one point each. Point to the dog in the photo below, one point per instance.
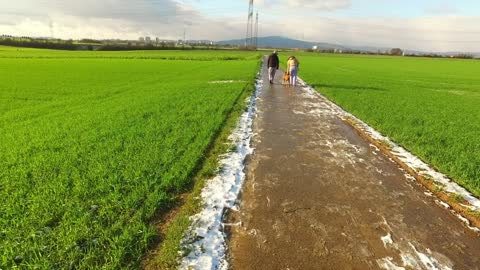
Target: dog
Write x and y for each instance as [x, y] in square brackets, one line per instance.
[286, 78]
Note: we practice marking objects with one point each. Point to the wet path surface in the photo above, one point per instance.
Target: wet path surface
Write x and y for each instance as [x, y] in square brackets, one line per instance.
[318, 196]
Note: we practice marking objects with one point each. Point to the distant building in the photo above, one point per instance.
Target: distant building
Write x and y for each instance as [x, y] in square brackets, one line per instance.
[141, 39]
[148, 40]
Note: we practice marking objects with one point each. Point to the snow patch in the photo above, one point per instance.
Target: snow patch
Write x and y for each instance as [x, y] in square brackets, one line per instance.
[375, 147]
[428, 261]
[298, 112]
[467, 223]
[410, 177]
[409, 261]
[205, 239]
[443, 204]
[227, 82]
[412, 258]
[387, 239]
[379, 171]
[388, 264]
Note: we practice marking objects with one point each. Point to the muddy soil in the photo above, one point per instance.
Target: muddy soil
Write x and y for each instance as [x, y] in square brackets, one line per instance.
[318, 196]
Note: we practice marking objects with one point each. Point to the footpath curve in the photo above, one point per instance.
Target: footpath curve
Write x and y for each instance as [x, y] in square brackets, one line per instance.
[319, 196]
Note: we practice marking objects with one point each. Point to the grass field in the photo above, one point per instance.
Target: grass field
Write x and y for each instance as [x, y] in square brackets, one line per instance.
[207, 55]
[430, 106]
[93, 145]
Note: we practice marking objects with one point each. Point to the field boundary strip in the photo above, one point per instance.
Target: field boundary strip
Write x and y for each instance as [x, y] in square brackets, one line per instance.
[130, 58]
[451, 196]
[178, 220]
[205, 244]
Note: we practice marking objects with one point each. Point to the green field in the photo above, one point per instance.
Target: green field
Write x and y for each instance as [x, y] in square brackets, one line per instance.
[429, 106]
[207, 55]
[94, 144]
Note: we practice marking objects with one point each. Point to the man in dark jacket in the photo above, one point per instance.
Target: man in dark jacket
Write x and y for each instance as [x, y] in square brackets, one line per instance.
[273, 65]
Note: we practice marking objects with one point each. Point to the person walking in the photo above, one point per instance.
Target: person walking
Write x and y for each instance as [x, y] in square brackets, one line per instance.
[273, 65]
[292, 69]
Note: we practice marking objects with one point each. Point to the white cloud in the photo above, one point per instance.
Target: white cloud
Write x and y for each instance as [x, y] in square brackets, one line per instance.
[137, 9]
[433, 33]
[442, 9]
[168, 18]
[107, 19]
[291, 5]
[328, 5]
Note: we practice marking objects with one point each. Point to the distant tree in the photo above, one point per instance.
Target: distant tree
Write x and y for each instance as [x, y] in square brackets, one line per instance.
[396, 51]
[88, 40]
[463, 56]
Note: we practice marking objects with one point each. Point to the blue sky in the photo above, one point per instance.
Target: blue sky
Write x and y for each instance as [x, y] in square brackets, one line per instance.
[412, 8]
[360, 8]
[444, 25]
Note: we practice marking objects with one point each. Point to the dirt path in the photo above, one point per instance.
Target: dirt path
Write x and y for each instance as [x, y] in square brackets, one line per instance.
[318, 196]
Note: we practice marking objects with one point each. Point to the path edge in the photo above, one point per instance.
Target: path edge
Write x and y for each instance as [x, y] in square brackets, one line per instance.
[173, 224]
[456, 203]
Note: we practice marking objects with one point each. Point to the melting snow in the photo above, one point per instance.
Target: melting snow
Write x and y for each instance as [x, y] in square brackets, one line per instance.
[227, 81]
[387, 239]
[428, 261]
[412, 258]
[298, 112]
[409, 261]
[387, 263]
[406, 157]
[445, 205]
[206, 239]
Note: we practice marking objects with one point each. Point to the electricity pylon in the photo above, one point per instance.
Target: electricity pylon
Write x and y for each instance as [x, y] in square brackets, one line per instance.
[249, 36]
[256, 31]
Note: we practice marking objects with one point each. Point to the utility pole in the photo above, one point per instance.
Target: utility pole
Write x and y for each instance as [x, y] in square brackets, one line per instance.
[256, 31]
[184, 36]
[51, 29]
[248, 37]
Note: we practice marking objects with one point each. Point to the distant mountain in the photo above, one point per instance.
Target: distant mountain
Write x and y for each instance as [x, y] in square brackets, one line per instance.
[283, 42]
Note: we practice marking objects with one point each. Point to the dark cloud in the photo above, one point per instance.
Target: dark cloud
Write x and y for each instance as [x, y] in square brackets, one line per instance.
[154, 17]
[138, 10]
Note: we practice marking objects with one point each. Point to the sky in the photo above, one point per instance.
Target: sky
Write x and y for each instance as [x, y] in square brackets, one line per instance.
[429, 25]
